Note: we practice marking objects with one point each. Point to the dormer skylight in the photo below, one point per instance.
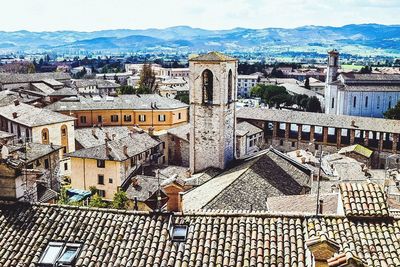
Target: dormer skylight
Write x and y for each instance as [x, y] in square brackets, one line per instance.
[60, 254]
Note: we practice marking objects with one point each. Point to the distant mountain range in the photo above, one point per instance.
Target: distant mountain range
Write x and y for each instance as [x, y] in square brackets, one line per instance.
[362, 39]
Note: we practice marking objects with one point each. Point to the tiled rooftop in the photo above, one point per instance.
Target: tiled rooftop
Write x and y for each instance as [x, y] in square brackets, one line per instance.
[181, 131]
[136, 143]
[127, 238]
[249, 128]
[65, 91]
[32, 116]
[367, 199]
[304, 203]
[128, 102]
[320, 119]
[213, 56]
[95, 136]
[6, 78]
[100, 83]
[248, 185]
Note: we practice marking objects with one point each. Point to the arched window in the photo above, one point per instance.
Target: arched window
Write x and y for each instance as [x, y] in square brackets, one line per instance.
[230, 97]
[64, 138]
[208, 79]
[45, 136]
[354, 101]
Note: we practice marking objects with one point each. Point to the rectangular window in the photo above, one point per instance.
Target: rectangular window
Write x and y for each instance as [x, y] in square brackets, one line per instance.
[333, 102]
[179, 116]
[161, 117]
[110, 180]
[101, 163]
[378, 102]
[366, 101]
[142, 118]
[114, 118]
[99, 119]
[127, 118]
[101, 193]
[83, 119]
[46, 163]
[65, 166]
[100, 179]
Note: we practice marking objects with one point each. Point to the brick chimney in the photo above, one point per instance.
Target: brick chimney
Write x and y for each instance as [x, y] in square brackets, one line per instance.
[174, 192]
[151, 131]
[16, 102]
[125, 150]
[15, 115]
[108, 148]
[108, 136]
[94, 133]
[322, 248]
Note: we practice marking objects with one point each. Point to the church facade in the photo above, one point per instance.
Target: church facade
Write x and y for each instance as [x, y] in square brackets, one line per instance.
[356, 94]
[213, 80]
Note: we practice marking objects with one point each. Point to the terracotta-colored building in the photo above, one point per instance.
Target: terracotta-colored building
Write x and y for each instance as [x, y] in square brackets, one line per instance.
[148, 110]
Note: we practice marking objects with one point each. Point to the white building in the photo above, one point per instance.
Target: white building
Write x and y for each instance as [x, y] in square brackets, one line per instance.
[245, 83]
[356, 94]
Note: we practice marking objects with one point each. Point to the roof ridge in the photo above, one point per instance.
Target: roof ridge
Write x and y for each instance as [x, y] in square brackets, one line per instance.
[205, 213]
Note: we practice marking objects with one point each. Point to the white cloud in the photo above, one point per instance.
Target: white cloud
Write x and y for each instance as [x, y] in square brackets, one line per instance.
[88, 15]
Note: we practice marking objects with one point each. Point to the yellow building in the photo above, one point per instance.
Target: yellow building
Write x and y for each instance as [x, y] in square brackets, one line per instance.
[111, 166]
[125, 110]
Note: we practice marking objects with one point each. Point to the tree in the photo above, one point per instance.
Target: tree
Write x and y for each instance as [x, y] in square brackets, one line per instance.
[313, 104]
[147, 83]
[97, 202]
[276, 73]
[273, 95]
[120, 200]
[307, 83]
[366, 70]
[393, 113]
[126, 90]
[63, 198]
[183, 98]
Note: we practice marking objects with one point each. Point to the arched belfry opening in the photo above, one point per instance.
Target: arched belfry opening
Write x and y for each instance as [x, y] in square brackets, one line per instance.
[230, 85]
[207, 79]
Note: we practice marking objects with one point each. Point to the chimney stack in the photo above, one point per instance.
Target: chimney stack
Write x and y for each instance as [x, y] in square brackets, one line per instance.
[16, 102]
[94, 133]
[321, 206]
[125, 149]
[135, 182]
[15, 115]
[108, 149]
[151, 131]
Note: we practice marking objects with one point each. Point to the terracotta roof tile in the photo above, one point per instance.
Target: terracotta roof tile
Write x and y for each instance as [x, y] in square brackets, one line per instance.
[364, 200]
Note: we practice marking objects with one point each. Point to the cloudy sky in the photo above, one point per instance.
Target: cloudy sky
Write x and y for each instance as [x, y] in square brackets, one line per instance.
[91, 15]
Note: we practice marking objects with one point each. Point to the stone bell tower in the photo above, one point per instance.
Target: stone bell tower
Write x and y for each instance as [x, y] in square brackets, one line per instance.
[331, 92]
[333, 66]
[213, 79]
